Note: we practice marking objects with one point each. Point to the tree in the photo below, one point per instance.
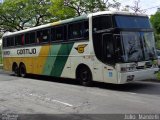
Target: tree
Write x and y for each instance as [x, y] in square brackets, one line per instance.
[19, 14]
[155, 20]
[80, 7]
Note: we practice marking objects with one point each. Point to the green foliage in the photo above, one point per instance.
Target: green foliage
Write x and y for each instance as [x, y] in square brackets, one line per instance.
[18, 14]
[155, 20]
[60, 11]
[69, 8]
[157, 39]
[158, 76]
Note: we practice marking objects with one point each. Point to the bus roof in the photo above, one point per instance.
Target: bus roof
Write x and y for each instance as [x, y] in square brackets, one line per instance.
[83, 17]
[117, 13]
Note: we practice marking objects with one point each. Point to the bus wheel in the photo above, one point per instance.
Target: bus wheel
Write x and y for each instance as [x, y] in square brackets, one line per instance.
[84, 76]
[22, 70]
[15, 70]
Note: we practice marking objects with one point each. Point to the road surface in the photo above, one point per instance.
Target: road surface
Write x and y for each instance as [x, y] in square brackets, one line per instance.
[46, 95]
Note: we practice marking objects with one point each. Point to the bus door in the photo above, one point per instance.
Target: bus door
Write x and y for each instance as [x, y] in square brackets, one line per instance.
[109, 72]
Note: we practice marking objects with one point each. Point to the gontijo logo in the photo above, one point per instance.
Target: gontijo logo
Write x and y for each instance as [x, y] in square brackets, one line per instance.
[80, 48]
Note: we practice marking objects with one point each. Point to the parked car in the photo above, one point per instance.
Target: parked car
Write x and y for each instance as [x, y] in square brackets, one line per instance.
[158, 54]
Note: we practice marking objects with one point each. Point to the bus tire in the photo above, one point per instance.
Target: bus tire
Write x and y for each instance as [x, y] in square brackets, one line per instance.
[15, 69]
[84, 76]
[22, 70]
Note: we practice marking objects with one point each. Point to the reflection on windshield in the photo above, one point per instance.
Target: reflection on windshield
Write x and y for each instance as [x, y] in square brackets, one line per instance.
[132, 46]
[149, 49]
[138, 46]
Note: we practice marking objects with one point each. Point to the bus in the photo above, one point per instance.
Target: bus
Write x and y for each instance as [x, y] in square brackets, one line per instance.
[107, 46]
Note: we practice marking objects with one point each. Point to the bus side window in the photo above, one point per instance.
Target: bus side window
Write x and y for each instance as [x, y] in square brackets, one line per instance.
[102, 23]
[10, 42]
[59, 33]
[23, 40]
[108, 48]
[53, 34]
[18, 40]
[75, 30]
[27, 41]
[39, 36]
[30, 38]
[86, 29]
[43, 36]
[4, 42]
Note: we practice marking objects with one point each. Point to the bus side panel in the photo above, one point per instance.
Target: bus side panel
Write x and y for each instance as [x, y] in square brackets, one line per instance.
[28, 63]
[61, 59]
[79, 55]
[49, 64]
[7, 64]
[66, 72]
[39, 62]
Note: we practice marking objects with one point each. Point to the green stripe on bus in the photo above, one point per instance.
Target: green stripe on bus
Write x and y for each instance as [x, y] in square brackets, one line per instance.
[51, 59]
[61, 59]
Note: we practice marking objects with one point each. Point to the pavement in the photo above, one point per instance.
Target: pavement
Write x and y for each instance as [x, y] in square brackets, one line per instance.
[40, 95]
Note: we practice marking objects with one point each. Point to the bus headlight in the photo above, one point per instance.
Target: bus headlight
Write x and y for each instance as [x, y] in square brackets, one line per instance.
[127, 69]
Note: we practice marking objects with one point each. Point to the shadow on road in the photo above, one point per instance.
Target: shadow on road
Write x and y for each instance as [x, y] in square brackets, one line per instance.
[140, 87]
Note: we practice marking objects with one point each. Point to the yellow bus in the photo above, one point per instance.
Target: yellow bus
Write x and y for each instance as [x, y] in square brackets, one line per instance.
[110, 47]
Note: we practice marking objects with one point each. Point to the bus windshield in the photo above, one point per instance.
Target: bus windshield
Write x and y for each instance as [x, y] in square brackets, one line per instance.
[132, 22]
[138, 46]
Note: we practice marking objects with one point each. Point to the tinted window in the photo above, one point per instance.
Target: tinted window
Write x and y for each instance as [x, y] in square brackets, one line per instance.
[10, 41]
[59, 33]
[78, 30]
[132, 22]
[19, 40]
[86, 29]
[101, 23]
[4, 42]
[75, 30]
[108, 49]
[53, 34]
[30, 38]
[43, 36]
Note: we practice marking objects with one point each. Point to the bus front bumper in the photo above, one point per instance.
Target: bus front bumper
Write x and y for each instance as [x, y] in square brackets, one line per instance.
[137, 75]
